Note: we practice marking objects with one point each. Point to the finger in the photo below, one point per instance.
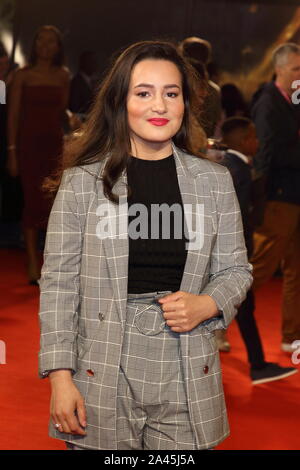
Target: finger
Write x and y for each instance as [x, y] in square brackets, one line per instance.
[175, 306]
[58, 428]
[74, 425]
[179, 315]
[181, 323]
[170, 307]
[63, 424]
[171, 316]
[81, 414]
[171, 297]
[173, 323]
[177, 329]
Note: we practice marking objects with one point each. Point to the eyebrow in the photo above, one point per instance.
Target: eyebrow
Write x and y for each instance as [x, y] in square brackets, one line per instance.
[148, 85]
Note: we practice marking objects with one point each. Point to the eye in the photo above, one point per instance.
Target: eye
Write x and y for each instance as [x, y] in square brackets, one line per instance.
[143, 94]
[172, 94]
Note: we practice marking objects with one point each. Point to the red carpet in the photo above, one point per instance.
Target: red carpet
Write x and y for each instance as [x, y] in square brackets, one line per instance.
[261, 417]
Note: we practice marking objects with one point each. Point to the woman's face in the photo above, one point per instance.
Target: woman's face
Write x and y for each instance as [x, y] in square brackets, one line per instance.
[46, 45]
[155, 105]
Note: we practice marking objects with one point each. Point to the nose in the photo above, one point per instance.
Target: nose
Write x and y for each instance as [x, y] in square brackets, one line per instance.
[159, 105]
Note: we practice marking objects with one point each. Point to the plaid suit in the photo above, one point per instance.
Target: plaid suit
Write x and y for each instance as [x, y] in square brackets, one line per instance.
[84, 296]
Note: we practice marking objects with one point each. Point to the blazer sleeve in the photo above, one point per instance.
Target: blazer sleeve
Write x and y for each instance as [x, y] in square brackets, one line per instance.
[230, 273]
[59, 284]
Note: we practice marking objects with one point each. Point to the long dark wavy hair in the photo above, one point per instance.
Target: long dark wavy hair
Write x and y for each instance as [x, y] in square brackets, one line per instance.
[59, 58]
[106, 131]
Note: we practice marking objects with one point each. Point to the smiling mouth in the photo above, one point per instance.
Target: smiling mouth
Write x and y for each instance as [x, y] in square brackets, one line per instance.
[158, 121]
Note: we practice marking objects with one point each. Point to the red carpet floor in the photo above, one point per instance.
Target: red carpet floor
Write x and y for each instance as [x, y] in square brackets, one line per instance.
[261, 417]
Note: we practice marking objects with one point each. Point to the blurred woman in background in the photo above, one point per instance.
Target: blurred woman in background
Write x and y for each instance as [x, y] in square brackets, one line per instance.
[37, 101]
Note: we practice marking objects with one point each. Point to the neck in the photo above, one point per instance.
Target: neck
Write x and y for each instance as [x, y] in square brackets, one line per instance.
[151, 151]
[288, 90]
[44, 64]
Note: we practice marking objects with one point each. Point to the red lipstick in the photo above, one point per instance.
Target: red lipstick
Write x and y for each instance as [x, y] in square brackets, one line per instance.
[158, 121]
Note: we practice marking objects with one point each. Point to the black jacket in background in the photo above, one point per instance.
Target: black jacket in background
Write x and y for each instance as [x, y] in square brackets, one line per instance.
[277, 126]
[81, 95]
[242, 180]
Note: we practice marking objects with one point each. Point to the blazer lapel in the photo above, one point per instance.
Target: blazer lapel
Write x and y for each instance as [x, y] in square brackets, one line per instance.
[116, 247]
[196, 202]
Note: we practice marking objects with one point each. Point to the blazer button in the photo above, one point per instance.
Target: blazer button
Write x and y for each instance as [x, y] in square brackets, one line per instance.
[205, 369]
[90, 372]
[101, 316]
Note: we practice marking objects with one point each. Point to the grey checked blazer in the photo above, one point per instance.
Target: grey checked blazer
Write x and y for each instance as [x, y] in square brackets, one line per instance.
[84, 295]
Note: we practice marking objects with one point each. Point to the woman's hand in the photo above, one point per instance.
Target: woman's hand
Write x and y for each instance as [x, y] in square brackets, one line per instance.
[12, 163]
[65, 399]
[184, 311]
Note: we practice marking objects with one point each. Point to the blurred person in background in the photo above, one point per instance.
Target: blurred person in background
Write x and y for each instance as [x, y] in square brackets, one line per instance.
[240, 137]
[214, 72]
[10, 188]
[4, 69]
[83, 85]
[199, 50]
[38, 99]
[233, 102]
[4, 63]
[277, 163]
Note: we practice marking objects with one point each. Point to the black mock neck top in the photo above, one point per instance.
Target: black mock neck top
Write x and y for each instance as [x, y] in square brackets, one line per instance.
[155, 264]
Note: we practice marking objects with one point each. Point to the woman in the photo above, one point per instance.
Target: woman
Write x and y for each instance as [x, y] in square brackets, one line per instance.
[129, 318]
[37, 102]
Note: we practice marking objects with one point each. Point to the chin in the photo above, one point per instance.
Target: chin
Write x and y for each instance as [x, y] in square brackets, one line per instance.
[161, 137]
[158, 141]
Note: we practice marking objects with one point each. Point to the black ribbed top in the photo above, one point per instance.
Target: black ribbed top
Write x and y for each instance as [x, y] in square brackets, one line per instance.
[154, 264]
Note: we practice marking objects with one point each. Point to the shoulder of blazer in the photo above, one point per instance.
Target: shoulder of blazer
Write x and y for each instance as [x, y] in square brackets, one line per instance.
[213, 176]
[89, 170]
[198, 166]
[82, 179]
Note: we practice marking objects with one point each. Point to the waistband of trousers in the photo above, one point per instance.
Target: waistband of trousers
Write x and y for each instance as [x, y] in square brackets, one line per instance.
[147, 297]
